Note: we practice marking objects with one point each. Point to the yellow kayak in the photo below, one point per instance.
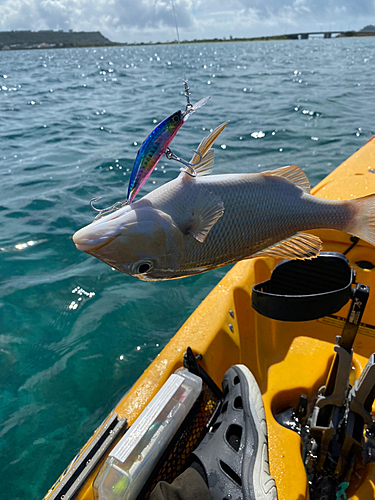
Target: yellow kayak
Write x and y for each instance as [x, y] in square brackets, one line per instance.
[287, 358]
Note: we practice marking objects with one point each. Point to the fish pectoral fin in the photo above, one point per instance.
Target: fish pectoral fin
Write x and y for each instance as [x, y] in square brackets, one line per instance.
[208, 208]
[293, 174]
[300, 246]
[204, 149]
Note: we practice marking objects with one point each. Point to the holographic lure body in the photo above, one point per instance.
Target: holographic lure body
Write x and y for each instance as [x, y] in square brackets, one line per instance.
[156, 145]
[152, 150]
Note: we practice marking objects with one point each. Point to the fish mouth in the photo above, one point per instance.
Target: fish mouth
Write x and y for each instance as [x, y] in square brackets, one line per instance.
[89, 239]
[99, 233]
[92, 246]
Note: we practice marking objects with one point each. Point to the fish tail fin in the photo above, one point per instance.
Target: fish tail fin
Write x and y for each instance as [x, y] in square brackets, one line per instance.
[363, 224]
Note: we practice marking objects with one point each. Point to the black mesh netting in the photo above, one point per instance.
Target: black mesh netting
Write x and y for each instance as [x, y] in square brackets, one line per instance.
[179, 451]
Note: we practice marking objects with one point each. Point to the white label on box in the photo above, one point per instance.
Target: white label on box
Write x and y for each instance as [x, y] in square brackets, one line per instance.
[130, 440]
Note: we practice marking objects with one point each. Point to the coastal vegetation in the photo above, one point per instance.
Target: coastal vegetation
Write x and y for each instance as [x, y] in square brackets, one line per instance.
[48, 39]
[19, 40]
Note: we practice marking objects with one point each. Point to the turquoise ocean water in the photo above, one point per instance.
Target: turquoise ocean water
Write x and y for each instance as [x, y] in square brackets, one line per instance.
[74, 334]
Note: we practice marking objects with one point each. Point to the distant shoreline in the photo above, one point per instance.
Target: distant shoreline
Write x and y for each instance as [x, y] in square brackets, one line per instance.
[30, 40]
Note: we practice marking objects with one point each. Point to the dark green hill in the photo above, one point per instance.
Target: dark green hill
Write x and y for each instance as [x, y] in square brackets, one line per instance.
[368, 28]
[50, 39]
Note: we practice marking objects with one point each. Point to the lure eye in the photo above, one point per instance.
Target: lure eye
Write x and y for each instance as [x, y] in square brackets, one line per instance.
[176, 119]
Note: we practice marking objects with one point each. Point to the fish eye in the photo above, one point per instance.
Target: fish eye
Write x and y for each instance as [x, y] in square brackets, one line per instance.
[176, 118]
[142, 267]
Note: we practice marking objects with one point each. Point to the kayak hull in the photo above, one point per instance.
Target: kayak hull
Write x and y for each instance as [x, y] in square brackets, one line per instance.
[286, 358]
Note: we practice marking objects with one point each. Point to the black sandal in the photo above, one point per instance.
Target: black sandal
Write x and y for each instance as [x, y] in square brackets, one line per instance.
[234, 453]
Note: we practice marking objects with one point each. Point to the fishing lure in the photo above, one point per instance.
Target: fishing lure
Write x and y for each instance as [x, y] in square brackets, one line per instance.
[152, 149]
[156, 145]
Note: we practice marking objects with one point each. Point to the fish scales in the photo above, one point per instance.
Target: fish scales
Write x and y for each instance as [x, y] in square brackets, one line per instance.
[259, 211]
[152, 238]
[194, 224]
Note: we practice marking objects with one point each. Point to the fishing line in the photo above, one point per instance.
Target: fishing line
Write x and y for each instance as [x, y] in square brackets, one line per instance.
[175, 20]
[187, 95]
[157, 144]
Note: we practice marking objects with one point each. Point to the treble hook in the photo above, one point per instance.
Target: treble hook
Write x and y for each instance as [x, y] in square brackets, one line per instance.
[188, 165]
[108, 210]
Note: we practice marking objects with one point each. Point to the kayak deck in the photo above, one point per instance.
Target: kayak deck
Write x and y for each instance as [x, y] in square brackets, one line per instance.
[286, 358]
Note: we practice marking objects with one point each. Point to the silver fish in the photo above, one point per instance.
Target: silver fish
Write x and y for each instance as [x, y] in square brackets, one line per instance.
[194, 224]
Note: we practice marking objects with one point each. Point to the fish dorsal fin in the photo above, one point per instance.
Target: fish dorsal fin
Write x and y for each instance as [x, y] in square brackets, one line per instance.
[300, 246]
[206, 165]
[204, 148]
[293, 174]
[207, 210]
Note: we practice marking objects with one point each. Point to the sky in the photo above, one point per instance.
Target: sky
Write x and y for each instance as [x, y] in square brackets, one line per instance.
[153, 20]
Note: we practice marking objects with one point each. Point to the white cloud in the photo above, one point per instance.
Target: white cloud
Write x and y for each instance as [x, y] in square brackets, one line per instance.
[146, 20]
